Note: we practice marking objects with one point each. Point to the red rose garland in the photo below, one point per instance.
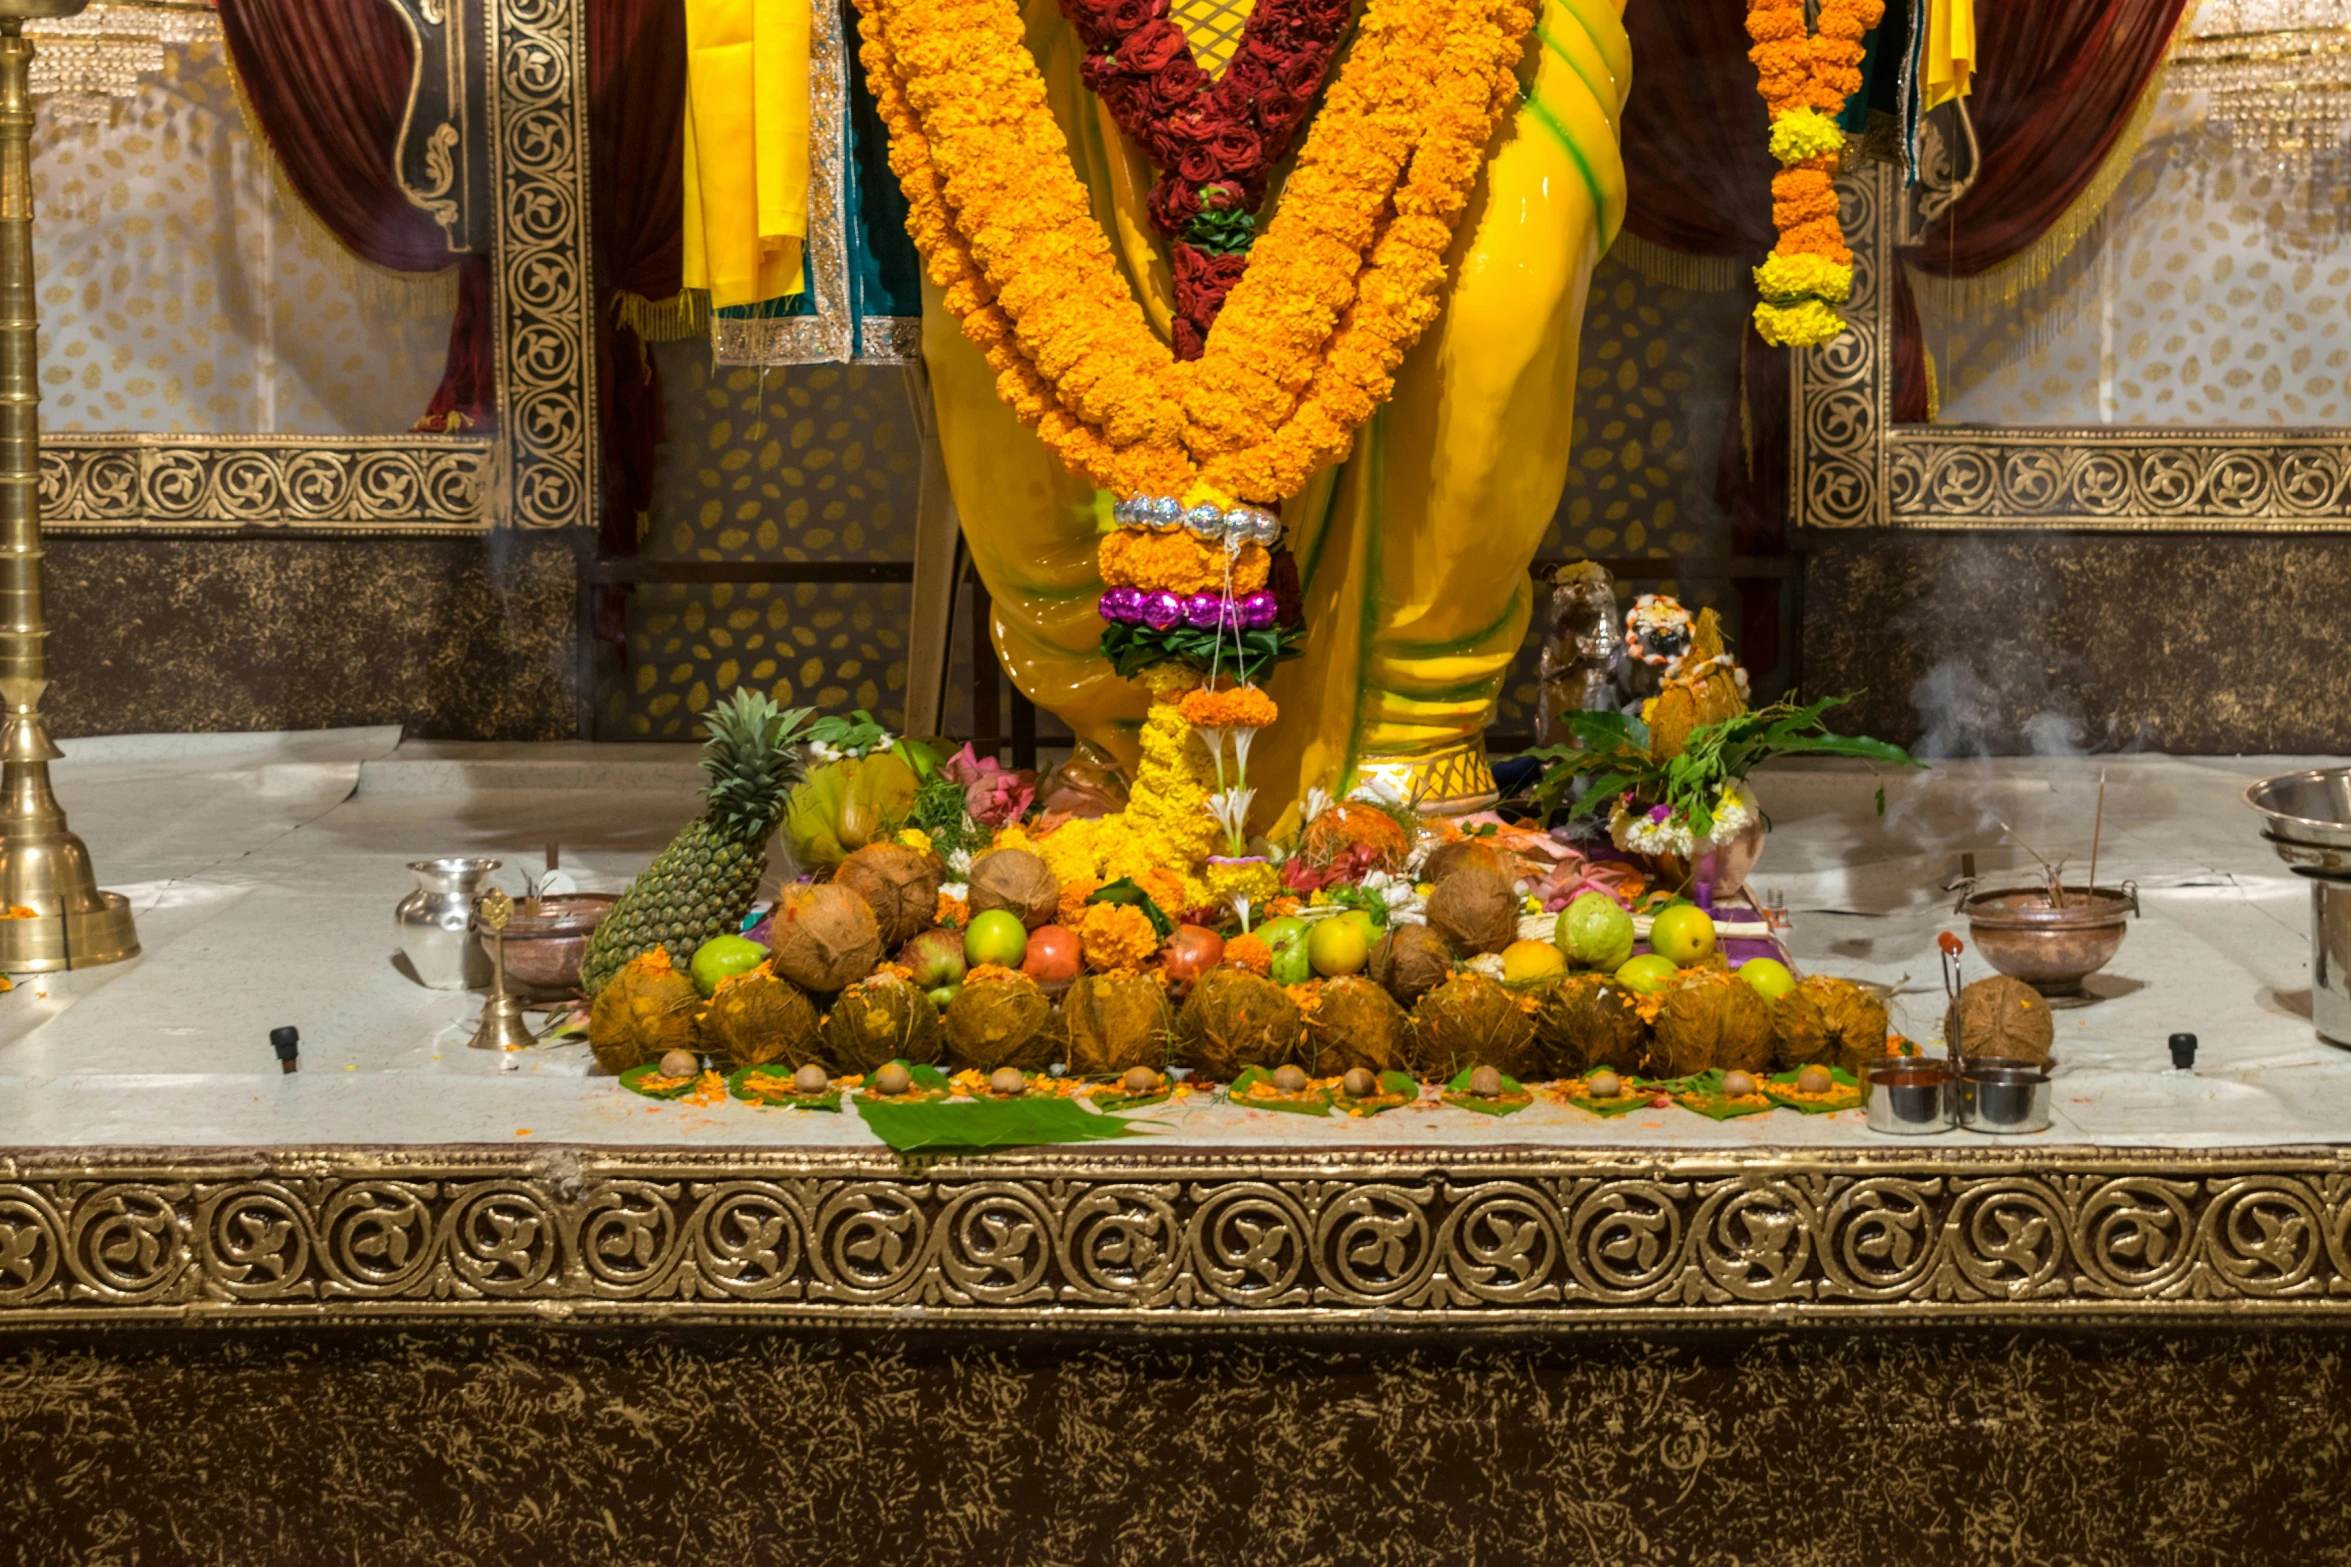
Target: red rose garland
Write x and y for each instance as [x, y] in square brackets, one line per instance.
[1215, 142]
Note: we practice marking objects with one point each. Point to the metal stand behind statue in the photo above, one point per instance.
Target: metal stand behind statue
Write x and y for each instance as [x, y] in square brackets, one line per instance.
[43, 866]
[502, 1026]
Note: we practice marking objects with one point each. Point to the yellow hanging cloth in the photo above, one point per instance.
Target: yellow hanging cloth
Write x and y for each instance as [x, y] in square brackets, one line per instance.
[1950, 51]
[746, 214]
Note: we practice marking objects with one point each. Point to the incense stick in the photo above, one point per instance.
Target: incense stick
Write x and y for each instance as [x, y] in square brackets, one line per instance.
[2096, 829]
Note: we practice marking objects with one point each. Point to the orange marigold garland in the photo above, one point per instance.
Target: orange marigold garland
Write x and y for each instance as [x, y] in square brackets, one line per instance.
[1805, 76]
[1340, 285]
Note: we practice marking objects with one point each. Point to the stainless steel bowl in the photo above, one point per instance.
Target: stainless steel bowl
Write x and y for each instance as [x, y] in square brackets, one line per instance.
[2309, 818]
[2020, 933]
[1907, 1096]
[2002, 1097]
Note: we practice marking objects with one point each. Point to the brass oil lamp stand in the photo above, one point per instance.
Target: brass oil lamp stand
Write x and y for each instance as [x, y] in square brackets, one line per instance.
[43, 866]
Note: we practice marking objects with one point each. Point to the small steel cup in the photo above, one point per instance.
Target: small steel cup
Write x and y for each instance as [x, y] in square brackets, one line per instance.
[1907, 1096]
[2003, 1098]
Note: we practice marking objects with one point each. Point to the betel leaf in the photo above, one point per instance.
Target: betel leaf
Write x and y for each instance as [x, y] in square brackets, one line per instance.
[988, 1123]
[1132, 648]
[739, 1084]
[1310, 1101]
[1844, 1088]
[1702, 1094]
[1124, 892]
[1510, 1101]
[636, 1077]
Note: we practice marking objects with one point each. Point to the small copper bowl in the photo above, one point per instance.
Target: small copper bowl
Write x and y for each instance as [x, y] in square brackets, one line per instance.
[2051, 949]
[545, 938]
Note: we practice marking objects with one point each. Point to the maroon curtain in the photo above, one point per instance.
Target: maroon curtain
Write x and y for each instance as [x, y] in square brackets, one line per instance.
[2055, 83]
[636, 127]
[328, 80]
[1698, 171]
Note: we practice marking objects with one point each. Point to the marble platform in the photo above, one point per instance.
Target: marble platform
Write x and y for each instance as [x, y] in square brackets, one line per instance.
[264, 870]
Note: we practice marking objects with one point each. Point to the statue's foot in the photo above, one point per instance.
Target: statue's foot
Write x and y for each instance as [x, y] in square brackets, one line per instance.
[1452, 782]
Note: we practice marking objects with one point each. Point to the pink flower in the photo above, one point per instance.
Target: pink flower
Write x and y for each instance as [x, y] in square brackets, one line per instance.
[995, 795]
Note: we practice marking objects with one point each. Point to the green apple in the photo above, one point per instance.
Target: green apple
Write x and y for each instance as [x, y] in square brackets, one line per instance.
[1683, 932]
[723, 957]
[996, 936]
[1769, 976]
[1647, 974]
[1279, 933]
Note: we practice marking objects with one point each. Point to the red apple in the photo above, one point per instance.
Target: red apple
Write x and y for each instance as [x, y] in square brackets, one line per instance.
[1191, 952]
[1053, 957]
[935, 957]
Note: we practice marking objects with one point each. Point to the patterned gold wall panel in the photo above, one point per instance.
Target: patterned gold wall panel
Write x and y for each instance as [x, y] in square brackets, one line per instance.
[182, 291]
[811, 463]
[1653, 388]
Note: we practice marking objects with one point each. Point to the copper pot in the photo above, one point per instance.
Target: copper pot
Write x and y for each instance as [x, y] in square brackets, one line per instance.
[546, 937]
[2051, 948]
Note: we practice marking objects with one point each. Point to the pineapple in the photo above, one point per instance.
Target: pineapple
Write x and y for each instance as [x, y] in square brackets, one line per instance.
[702, 884]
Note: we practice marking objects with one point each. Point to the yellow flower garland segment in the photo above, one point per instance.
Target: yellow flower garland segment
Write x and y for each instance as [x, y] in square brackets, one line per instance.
[1308, 343]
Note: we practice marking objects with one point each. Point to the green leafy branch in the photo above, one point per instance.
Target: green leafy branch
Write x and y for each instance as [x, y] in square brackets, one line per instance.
[1612, 750]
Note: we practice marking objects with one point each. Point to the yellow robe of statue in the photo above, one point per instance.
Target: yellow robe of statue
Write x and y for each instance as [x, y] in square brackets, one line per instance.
[1413, 552]
[746, 175]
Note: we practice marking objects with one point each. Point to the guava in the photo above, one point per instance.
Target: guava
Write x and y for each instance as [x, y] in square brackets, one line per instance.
[1595, 932]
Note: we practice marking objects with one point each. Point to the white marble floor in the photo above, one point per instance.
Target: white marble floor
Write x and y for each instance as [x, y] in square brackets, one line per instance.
[264, 870]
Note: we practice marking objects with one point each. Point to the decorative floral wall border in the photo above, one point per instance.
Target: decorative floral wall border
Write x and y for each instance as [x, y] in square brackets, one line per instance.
[1853, 467]
[1507, 1239]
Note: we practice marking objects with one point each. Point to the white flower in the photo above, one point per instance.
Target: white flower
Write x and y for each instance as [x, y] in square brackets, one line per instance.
[822, 752]
[1486, 963]
[1230, 807]
[1240, 902]
[1644, 833]
[959, 861]
[958, 890]
[1382, 790]
[886, 743]
[1318, 804]
[1405, 905]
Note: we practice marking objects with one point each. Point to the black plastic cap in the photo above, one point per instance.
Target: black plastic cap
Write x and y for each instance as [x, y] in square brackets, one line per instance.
[2183, 1051]
[285, 1041]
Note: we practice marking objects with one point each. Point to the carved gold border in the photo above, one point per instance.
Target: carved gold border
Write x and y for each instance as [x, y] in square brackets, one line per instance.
[206, 484]
[1853, 467]
[545, 295]
[1394, 1240]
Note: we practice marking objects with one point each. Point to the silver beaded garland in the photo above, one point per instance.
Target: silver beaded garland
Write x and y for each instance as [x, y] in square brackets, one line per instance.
[1166, 512]
[1205, 521]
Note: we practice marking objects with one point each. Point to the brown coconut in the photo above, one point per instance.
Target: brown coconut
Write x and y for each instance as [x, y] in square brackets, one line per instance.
[1712, 1019]
[756, 1019]
[1832, 1021]
[2001, 1016]
[824, 937]
[1002, 1019]
[1235, 1019]
[882, 1019]
[1589, 1021]
[1471, 1021]
[1476, 909]
[1410, 961]
[646, 1010]
[900, 885]
[1460, 854]
[1356, 1024]
[1016, 880]
[1116, 1022]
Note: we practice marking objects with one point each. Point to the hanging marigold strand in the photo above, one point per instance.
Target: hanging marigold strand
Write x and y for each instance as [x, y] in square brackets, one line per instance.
[1805, 76]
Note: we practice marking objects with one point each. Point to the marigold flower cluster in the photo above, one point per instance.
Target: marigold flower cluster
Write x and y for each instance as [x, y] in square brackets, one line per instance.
[1178, 562]
[1241, 707]
[1256, 880]
[1805, 76]
[1249, 952]
[1114, 936]
[1342, 282]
